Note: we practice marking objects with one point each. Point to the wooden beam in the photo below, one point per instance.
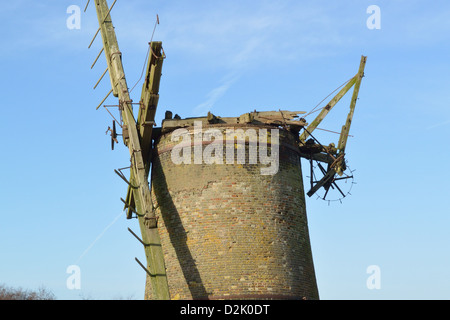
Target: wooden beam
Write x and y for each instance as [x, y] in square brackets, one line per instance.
[346, 128]
[322, 157]
[141, 194]
[257, 118]
[147, 109]
[109, 40]
[150, 97]
[288, 115]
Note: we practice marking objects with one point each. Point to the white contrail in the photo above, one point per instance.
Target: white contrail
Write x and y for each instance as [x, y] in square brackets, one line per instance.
[213, 96]
[99, 236]
[216, 94]
[439, 125]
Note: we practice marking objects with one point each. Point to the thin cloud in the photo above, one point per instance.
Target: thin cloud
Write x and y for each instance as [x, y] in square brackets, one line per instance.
[213, 96]
[99, 237]
[439, 125]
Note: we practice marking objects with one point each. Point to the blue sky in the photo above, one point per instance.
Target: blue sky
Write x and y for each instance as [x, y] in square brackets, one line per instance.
[60, 197]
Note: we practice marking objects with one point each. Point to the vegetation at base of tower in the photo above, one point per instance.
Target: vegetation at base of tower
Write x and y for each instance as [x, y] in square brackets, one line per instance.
[9, 293]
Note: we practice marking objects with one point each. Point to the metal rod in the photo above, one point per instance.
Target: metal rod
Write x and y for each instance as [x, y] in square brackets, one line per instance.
[139, 239]
[142, 266]
[348, 135]
[113, 117]
[325, 195]
[97, 57]
[104, 99]
[109, 11]
[95, 36]
[101, 78]
[120, 174]
[322, 168]
[343, 178]
[87, 4]
[339, 189]
[128, 206]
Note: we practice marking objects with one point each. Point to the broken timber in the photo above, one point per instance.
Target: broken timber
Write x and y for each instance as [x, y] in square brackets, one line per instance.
[138, 151]
[278, 118]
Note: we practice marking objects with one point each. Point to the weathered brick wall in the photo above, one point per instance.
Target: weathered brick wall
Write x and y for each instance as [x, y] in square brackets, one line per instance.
[229, 232]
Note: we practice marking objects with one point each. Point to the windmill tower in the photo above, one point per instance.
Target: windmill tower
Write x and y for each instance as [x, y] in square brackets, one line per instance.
[215, 224]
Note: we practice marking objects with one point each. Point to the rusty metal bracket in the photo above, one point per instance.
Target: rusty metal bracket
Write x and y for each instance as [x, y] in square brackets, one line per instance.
[114, 53]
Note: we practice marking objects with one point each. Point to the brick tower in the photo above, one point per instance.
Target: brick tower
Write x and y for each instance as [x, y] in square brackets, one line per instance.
[228, 231]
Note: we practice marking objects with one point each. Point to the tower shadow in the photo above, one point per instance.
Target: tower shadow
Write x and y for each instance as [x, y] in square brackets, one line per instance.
[177, 233]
